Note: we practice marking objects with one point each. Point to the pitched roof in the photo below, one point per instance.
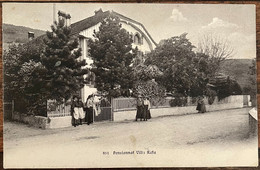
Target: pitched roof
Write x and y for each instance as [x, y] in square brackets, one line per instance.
[136, 22]
[97, 18]
[79, 26]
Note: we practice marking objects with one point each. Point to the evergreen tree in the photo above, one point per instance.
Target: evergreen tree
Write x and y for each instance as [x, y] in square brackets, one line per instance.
[38, 71]
[63, 73]
[112, 53]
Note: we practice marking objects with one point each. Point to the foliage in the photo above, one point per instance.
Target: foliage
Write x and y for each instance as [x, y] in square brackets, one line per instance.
[145, 84]
[112, 53]
[63, 72]
[251, 87]
[184, 71]
[211, 94]
[144, 72]
[215, 46]
[38, 71]
[225, 86]
[21, 62]
[151, 89]
[178, 100]
[13, 60]
[12, 65]
[32, 87]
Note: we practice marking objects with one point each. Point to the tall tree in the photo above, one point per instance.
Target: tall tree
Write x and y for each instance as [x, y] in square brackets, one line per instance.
[21, 62]
[38, 71]
[184, 71]
[215, 46]
[113, 56]
[63, 69]
[13, 59]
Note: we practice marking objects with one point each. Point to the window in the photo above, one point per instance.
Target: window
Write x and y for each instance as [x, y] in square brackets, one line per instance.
[137, 39]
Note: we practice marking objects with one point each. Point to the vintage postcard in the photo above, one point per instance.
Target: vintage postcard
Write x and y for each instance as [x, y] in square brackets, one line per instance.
[100, 85]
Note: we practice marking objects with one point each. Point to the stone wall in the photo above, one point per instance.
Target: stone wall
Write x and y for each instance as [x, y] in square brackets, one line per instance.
[35, 121]
[59, 122]
[231, 102]
[43, 122]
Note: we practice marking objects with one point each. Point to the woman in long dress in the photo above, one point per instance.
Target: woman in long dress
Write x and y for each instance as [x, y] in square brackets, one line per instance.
[74, 111]
[96, 105]
[81, 111]
[139, 112]
[201, 105]
[147, 106]
[198, 108]
[89, 109]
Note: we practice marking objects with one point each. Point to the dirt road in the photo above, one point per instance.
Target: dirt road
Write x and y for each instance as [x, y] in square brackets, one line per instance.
[208, 139]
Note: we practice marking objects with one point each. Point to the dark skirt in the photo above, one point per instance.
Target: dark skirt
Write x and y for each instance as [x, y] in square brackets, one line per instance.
[74, 121]
[89, 115]
[147, 113]
[139, 113]
[198, 107]
[203, 108]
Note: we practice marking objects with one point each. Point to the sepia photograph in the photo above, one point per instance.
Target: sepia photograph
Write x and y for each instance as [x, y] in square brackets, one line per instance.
[117, 85]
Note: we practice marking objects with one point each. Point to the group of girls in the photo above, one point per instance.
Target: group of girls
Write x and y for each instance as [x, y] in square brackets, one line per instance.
[82, 112]
[143, 109]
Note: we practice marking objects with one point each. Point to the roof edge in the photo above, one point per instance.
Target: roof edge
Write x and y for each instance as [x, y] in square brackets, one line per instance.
[120, 15]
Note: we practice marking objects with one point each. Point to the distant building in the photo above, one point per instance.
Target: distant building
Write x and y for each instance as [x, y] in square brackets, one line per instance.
[84, 30]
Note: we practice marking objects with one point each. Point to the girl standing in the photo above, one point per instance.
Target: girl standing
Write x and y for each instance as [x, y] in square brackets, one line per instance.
[74, 111]
[139, 113]
[147, 106]
[89, 109]
[81, 111]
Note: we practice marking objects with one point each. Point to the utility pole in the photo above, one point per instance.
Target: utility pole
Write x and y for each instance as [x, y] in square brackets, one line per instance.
[54, 12]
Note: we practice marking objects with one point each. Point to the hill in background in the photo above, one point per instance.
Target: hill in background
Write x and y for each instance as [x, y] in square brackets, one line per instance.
[17, 34]
[237, 69]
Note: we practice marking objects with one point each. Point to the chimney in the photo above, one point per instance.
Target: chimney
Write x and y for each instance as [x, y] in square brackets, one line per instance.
[98, 12]
[30, 35]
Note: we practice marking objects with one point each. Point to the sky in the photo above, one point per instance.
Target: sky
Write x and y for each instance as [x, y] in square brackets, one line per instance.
[233, 22]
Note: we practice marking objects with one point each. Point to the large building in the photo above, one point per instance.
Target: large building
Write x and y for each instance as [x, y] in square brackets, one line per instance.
[85, 28]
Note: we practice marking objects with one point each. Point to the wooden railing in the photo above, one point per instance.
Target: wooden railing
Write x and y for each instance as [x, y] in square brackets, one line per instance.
[54, 110]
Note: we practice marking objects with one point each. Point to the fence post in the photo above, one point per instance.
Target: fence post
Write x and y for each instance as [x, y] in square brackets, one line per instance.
[112, 109]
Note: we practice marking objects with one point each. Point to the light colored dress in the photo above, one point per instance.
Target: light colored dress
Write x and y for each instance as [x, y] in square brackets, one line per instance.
[76, 113]
[81, 113]
[96, 106]
[147, 107]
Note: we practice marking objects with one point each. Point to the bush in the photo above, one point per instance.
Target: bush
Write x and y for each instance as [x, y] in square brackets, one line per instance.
[194, 100]
[211, 94]
[178, 101]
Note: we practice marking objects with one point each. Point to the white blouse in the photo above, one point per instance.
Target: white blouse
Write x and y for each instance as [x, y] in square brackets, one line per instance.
[147, 102]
